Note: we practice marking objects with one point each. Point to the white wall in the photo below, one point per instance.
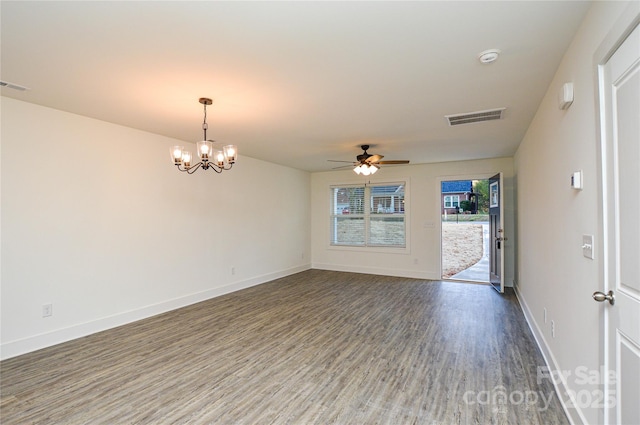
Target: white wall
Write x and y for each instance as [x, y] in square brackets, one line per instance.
[96, 221]
[421, 259]
[552, 217]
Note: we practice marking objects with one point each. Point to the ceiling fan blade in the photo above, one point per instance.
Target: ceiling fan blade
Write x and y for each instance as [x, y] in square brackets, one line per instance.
[397, 161]
[342, 166]
[374, 158]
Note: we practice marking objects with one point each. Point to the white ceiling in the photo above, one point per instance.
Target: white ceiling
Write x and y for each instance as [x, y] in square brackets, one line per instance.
[295, 83]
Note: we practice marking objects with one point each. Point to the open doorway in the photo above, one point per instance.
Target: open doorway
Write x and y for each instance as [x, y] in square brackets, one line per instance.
[465, 230]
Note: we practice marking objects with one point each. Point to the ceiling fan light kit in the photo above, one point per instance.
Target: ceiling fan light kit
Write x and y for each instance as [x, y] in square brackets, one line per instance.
[217, 161]
[367, 164]
[366, 170]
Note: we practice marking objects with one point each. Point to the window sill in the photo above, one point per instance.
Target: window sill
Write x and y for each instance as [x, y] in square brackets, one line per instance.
[371, 249]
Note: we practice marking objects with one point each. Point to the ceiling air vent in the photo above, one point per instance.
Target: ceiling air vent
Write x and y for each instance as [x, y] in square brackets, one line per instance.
[471, 117]
[13, 86]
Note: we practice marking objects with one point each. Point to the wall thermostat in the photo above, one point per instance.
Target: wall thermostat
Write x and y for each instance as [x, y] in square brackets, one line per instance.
[576, 180]
[565, 96]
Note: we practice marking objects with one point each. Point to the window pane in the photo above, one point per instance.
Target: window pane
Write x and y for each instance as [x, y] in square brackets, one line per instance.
[387, 199]
[387, 231]
[348, 230]
[348, 223]
[348, 200]
[368, 215]
[452, 201]
[386, 223]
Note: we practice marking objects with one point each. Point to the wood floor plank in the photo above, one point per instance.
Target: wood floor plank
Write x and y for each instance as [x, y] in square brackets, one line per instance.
[318, 347]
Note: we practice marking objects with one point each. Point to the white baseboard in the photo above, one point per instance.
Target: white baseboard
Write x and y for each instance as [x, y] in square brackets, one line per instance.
[37, 342]
[377, 271]
[574, 414]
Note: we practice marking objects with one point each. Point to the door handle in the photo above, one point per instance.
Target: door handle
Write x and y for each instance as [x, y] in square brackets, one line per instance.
[601, 297]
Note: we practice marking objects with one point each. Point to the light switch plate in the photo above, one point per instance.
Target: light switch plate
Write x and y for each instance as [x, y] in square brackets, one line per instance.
[587, 246]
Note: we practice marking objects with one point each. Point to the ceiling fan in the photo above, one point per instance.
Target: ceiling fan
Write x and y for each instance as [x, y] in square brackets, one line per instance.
[367, 164]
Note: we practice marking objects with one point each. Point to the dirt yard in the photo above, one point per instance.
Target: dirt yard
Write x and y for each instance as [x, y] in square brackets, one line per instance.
[461, 242]
[461, 247]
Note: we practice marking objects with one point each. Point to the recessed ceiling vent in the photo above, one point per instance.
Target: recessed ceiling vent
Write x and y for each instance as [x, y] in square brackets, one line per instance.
[13, 86]
[478, 116]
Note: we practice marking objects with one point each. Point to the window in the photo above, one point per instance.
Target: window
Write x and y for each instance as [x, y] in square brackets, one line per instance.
[371, 215]
[452, 201]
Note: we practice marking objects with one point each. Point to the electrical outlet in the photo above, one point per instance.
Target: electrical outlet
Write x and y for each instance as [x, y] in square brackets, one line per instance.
[545, 314]
[47, 310]
[553, 329]
[233, 271]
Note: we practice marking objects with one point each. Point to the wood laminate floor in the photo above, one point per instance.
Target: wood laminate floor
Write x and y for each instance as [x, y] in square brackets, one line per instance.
[317, 347]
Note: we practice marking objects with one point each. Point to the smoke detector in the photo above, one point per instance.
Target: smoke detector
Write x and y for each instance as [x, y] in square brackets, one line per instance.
[489, 56]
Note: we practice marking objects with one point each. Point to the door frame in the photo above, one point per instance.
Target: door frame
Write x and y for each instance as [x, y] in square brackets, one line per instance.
[439, 180]
[629, 19]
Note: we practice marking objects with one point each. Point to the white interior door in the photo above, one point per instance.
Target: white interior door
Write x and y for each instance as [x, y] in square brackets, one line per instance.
[620, 103]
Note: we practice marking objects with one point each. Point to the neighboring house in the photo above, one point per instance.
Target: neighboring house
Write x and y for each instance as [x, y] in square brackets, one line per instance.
[454, 192]
[387, 199]
[384, 200]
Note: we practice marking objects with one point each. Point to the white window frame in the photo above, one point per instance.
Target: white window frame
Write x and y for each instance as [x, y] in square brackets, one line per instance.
[450, 204]
[369, 211]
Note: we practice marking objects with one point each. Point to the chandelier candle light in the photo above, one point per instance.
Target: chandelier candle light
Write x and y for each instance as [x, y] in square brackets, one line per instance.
[217, 161]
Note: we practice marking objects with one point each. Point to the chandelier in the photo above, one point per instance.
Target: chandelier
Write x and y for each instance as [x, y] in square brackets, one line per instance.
[217, 161]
